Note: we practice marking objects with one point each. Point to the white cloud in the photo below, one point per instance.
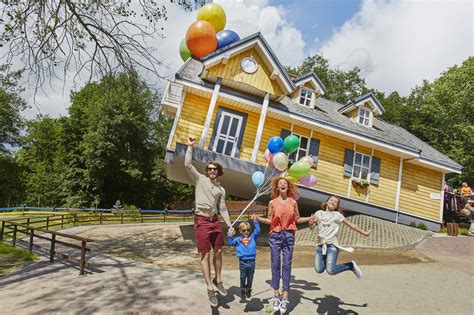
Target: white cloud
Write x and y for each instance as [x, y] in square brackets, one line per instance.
[398, 44]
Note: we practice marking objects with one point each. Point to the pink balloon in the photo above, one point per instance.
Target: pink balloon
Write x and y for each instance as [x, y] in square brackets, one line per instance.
[268, 156]
[296, 197]
[309, 180]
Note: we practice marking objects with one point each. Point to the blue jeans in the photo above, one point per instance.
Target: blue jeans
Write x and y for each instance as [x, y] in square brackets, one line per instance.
[328, 261]
[247, 269]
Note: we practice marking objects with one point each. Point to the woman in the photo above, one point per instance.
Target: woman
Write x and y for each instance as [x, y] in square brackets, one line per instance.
[283, 215]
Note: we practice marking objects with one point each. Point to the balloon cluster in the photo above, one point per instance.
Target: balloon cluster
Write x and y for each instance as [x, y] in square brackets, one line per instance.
[276, 155]
[207, 33]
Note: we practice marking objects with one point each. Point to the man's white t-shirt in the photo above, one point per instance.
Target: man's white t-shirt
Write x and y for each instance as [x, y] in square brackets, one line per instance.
[328, 226]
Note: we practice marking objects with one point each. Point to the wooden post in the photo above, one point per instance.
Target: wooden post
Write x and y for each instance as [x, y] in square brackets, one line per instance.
[75, 219]
[100, 217]
[30, 247]
[62, 221]
[51, 251]
[121, 218]
[14, 235]
[28, 221]
[83, 258]
[47, 222]
[141, 215]
[2, 230]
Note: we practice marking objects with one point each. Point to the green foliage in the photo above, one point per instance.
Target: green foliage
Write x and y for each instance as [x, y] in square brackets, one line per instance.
[12, 258]
[413, 224]
[422, 226]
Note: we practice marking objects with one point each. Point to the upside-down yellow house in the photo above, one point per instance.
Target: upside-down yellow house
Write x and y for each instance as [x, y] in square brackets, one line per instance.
[238, 97]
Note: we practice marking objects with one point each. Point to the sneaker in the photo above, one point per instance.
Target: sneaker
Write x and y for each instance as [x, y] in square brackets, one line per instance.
[284, 306]
[243, 294]
[276, 303]
[356, 270]
[212, 298]
[249, 293]
[220, 287]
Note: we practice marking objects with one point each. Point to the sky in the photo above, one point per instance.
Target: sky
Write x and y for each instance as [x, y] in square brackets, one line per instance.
[396, 44]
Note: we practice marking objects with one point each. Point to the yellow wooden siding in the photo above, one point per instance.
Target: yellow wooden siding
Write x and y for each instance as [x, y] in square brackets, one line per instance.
[417, 184]
[260, 79]
[385, 193]
[192, 119]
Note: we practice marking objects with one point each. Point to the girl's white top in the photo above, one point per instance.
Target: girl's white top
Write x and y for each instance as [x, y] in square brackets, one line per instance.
[328, 228]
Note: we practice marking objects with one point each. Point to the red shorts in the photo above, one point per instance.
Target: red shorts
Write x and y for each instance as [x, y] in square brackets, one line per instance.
[208, 234]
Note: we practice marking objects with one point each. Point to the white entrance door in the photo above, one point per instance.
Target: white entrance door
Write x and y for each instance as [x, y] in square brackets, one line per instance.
[227, 134]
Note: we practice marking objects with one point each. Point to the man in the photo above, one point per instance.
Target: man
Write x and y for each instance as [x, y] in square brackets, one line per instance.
[209, 201]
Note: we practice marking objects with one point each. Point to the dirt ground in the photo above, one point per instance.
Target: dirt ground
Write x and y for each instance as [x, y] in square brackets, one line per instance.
[171, 245]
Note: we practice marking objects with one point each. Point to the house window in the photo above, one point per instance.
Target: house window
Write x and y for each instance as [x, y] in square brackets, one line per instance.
[364, 116]
[302, 150]
[361, 166]
[305, 97]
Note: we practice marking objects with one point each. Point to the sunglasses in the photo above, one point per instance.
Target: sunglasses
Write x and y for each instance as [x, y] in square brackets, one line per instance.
[212, 169]
[244, 231]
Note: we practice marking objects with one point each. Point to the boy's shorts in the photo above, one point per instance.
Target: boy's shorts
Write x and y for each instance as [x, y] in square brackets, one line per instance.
[208, 233]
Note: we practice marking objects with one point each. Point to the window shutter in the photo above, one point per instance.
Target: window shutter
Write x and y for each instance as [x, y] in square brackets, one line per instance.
[285, 133]
[375, 171]
[314, 151]
[348, 162]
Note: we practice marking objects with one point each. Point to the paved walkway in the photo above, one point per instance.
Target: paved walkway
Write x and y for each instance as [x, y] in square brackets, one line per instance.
[122, 286]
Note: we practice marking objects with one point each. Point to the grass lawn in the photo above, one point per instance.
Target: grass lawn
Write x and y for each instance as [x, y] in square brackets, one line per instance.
[12, 258]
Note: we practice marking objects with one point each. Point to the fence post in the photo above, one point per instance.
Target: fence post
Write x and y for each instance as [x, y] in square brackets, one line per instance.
[100, 217]
[14, 235]
[2, 230]
[164, 216]
[62, 221]
[141, 215]
[83, 258]
[47, 222]
[28, 221]
[53, 243]
[121, 218]
[30, 247]
[75, 219]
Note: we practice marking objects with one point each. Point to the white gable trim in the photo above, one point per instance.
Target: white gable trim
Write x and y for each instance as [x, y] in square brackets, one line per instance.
[317, 86]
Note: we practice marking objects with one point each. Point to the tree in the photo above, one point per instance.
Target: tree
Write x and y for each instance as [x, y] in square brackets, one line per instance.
[41, 159]
[342, 86]
[53, 38]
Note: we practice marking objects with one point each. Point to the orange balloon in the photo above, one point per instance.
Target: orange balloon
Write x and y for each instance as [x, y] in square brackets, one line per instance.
[201, 39]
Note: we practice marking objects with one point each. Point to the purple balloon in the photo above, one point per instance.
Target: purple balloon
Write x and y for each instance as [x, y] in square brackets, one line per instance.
[226, 37]
[309, 180]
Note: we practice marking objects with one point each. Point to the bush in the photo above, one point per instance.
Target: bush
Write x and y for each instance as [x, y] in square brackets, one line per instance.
[422, 226]
[413, 224]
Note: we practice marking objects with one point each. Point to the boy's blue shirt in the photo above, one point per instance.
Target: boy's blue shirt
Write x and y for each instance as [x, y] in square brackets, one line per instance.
[249, 251]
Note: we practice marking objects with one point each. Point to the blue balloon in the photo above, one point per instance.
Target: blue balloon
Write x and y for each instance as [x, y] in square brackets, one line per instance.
[226, 37]
[275, 144]
[258, 178]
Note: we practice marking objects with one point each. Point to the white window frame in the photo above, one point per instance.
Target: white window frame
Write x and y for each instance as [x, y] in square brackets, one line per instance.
[359, 176]
[297, 157]
[307, 101]
[366, 115]
[225, 138]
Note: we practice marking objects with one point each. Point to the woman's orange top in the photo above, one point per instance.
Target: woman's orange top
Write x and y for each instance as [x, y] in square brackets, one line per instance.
[283, 215]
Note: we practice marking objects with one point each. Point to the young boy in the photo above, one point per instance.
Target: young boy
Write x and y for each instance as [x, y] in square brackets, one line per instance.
[246, 250]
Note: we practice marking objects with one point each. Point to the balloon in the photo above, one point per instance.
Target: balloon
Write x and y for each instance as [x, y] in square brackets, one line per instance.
[258, 178]
[268, 156]
[226, 37]
[291, 144]
[213, 14]
[296, 197]
[184, 51]
[308, 160]
[201, 39]
[291, 179]
[275, 144]
[280, 161]
[299, 169]
[309, 180]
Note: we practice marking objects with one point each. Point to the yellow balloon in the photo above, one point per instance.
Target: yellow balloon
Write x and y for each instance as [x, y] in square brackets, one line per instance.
[291, 179]
[214, 14]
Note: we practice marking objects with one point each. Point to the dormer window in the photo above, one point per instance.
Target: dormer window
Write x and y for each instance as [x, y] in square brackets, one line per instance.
[306, 97]
[364, 116]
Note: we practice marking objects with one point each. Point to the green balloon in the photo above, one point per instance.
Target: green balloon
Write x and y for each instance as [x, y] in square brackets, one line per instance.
[299, 169]
[184, 51]
[291, 144]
